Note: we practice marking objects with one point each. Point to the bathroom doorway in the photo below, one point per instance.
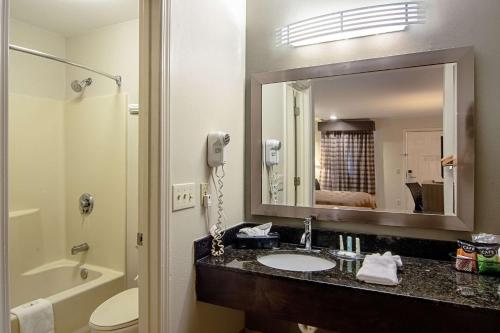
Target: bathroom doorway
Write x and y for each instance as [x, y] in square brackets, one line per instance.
[72, 111]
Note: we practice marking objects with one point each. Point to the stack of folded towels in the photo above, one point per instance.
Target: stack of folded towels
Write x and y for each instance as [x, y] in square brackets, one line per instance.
[380, 269]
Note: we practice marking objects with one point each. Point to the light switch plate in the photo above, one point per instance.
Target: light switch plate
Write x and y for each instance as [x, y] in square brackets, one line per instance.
[183, 196]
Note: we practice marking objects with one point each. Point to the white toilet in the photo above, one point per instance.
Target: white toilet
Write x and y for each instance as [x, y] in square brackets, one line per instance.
[119, 314]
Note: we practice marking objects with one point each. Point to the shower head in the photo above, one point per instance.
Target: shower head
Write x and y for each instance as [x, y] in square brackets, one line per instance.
[79, 86]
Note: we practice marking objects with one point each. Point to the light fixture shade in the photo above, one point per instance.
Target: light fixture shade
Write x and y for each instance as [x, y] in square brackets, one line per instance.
[351, 23]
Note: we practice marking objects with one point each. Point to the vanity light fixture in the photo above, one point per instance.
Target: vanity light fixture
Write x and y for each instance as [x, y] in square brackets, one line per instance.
[352, 23]
[333, 117]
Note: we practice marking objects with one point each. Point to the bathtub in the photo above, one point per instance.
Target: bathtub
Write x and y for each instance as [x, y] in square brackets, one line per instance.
[73, 297]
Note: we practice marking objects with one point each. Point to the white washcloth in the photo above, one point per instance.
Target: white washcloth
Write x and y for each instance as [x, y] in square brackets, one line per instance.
[35, 317]
[380, 269]
[260, 230]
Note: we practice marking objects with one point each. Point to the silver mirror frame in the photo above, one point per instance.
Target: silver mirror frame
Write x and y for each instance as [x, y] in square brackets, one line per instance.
[464, 219]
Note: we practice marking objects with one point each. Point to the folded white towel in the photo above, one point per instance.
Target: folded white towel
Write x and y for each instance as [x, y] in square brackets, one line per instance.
[260, 230]
[35, 317]
[380, 269]
[307, 329]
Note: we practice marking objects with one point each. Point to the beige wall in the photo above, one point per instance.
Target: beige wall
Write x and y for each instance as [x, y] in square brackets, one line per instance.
[450, 23]
[114, 49]
[36, 163]
[36, 150]
[95, 137]
[34, 76]
[207, 94]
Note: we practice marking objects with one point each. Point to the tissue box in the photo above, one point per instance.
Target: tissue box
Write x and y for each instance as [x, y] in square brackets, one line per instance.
[270, 241]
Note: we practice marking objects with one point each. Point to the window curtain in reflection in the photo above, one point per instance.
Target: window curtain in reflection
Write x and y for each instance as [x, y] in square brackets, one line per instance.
[348, 161]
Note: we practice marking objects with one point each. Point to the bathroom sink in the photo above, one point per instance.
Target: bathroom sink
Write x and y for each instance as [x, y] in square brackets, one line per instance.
[296, 262]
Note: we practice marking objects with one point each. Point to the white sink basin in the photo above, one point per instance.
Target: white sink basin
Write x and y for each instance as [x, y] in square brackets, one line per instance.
[296, 262]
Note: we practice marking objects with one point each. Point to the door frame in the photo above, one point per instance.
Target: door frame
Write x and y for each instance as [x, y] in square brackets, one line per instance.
[4, 209]
[154, 171]
[154, 199]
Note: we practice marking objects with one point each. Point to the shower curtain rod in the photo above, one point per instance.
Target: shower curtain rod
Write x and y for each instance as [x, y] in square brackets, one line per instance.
[116, 78]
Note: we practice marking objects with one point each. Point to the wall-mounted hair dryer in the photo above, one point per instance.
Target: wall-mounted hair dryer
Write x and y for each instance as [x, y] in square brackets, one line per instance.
[216, 141]
[272, 148]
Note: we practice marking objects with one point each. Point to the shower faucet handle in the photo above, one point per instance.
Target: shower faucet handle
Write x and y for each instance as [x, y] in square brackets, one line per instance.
[86, 204]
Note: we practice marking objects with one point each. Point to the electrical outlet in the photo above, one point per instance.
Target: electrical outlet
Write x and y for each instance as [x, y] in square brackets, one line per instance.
[203, 191]
[183, 196]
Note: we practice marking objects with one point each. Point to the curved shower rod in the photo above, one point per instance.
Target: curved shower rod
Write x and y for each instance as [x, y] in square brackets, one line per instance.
[116, 78]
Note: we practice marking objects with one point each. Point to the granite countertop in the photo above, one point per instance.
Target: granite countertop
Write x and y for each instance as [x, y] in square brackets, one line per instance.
[423, 279]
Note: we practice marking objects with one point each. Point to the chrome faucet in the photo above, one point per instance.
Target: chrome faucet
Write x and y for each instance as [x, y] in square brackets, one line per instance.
[84, 247]
[307, 235]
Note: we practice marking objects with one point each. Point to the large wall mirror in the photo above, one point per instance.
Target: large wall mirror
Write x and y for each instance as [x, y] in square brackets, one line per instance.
[385, 141]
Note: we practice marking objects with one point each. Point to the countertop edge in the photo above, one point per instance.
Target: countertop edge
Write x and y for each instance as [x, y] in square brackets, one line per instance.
[200, 263]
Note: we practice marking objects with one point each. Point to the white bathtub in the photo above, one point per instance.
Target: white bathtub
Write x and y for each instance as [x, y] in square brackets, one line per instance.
[73, 298]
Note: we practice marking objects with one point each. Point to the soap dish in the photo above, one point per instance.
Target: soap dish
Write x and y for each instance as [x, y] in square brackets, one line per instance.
[341, 254]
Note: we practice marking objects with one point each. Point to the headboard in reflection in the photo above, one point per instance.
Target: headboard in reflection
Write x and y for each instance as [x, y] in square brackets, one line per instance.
[383, 141]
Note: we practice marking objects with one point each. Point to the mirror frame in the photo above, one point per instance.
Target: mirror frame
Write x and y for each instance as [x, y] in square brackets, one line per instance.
[462, 221]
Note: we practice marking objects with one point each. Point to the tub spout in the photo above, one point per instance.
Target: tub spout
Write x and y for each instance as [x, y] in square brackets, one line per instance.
[84, 247]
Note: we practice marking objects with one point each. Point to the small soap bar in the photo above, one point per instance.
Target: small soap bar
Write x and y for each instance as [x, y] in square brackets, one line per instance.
[349, 243]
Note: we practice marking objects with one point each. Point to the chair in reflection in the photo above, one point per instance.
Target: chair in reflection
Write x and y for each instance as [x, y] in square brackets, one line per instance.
[433, 197]
[416, 193]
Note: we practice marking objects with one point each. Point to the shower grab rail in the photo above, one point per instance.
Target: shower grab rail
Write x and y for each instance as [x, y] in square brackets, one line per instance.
[116, 78]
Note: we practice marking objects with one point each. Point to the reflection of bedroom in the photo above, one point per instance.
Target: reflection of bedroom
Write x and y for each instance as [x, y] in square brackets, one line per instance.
[376, 132]
[366, 141]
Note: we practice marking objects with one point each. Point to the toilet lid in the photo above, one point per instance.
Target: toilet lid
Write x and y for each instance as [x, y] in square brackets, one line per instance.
[121, 310]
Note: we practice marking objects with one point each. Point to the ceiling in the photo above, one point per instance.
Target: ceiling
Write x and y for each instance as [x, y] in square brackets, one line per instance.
[73, 17]
[408, 92]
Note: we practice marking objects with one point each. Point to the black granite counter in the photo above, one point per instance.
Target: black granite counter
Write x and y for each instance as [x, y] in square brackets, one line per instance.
[425, 279]
[432, 296]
